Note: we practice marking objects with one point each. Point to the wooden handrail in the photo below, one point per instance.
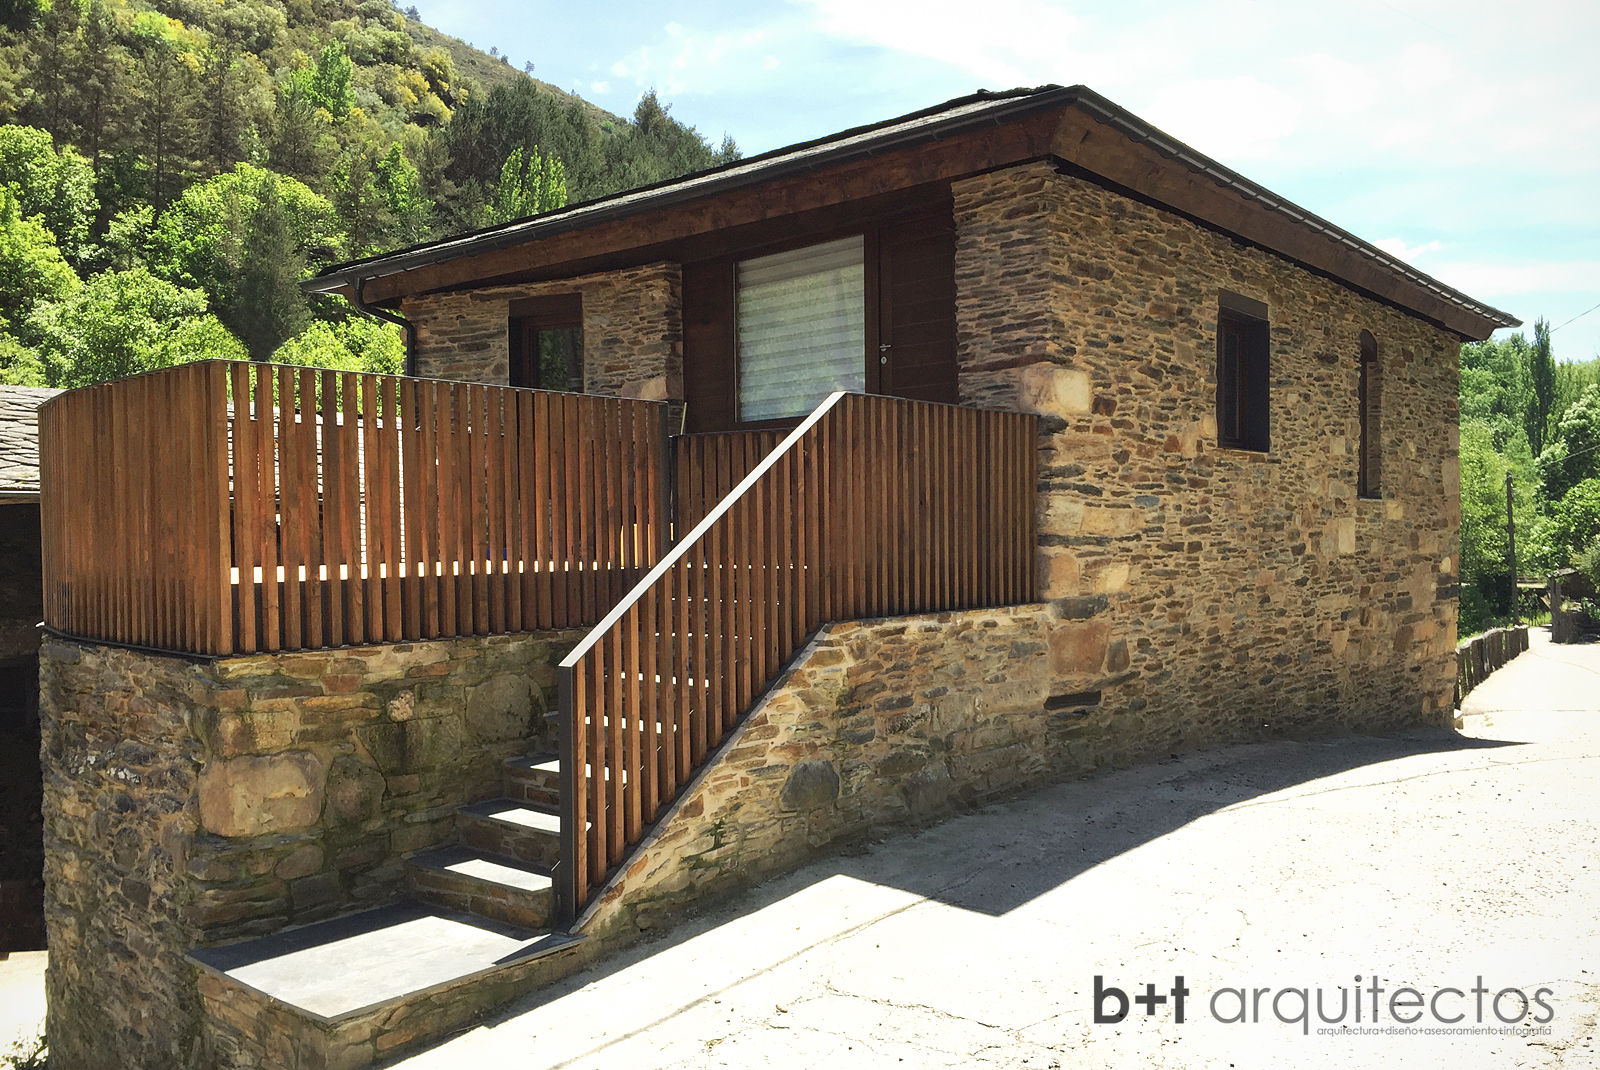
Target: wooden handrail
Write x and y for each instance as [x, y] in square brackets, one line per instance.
[871, 506]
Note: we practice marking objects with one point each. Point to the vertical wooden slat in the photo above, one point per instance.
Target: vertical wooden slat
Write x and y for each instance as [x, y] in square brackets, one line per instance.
[410, 432]
[427, 505]
[581, 431]
[448, 508]
[633, 637]
[532, 506]
[291, 507]
[616, 805]
[599, 762]
[549, 493]
[651, 641]
[564, 523]
[311, 528]
[266, 533]
[246, 480]
[465, 496]
[335, 513]
[494, 507]
[511, 460]
[389, 508]
[575, 781]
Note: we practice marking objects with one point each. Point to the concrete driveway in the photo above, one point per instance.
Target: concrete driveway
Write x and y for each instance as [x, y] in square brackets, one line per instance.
[1437, 863]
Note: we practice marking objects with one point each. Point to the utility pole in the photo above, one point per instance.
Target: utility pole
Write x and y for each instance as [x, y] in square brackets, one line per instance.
[1511, 553]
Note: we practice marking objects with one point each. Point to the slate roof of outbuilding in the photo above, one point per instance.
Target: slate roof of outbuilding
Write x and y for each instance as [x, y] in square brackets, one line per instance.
[19, 439]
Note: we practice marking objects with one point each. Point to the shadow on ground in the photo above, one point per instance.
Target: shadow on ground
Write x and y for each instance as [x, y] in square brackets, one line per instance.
[1062, 830]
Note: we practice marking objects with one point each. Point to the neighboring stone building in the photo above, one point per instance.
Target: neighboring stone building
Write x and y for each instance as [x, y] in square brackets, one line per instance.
[21, 609]
[1245, 524]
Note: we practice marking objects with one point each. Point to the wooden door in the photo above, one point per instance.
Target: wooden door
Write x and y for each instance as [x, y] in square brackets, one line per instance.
[916, 305]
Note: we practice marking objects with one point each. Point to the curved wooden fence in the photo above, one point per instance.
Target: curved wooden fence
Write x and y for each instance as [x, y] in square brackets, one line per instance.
[223, 507]
[873, 506]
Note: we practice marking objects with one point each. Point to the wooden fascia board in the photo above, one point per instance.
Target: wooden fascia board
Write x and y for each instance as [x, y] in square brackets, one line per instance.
[1107, 152]
[1068, 133]
[961, 154]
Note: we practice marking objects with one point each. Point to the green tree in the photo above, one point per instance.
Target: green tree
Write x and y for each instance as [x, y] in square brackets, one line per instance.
[19, 364]
[1485, 579]
[529, 184]
[1573, 452]
[32, 269]
[1575, 522]
[168, 61]
[120, 323]
[22, 14]
[267, 308]
[202, 239]
[57, 187]
[235, 91]
[357, 344]
[301, 143]
[328, 83]
[1542, 384]
[378, 196]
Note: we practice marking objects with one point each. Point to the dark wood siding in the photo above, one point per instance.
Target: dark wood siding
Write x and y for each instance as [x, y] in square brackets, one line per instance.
[917, 308]
[708, 357]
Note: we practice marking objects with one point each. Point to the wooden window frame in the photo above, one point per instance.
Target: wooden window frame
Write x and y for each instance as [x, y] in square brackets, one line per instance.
[870, 330]
[1244, 375]
[1369, 401]
[530, 315]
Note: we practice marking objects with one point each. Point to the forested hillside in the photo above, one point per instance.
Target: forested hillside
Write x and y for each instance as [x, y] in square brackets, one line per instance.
[170, 170]
[1524, 414]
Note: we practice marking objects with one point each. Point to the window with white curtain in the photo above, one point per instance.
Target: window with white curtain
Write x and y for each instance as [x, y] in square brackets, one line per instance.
[802, 328]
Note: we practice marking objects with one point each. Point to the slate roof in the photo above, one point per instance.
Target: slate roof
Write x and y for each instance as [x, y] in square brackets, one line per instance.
[19, 439]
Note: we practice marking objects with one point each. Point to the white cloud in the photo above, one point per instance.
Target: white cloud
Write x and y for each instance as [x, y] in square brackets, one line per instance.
[1411, 254]
[600, 87]
[1205, 113]
[1006, 43]
[684, 60]
[1512, 278]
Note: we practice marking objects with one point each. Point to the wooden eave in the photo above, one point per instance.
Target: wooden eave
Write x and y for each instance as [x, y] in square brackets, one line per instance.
[1083, 133]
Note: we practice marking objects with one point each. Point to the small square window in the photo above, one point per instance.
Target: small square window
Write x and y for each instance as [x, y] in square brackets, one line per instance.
[547, 343]
[1243, 375]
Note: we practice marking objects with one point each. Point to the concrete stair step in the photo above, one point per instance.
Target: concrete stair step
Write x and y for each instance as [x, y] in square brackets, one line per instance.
[534, 778]
[365, 988]
[464, 879]
[528, 832]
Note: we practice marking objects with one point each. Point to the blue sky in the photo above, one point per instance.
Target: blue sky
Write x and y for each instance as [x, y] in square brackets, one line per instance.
[1461, 135]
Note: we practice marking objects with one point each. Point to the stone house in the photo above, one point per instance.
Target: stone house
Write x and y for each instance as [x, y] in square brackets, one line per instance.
[1234, 425]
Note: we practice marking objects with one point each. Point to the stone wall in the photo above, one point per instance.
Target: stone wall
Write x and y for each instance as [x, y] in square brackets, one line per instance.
[1229, 592]
[886, 724]
[192, 803]
[877, 724]
[632, 331]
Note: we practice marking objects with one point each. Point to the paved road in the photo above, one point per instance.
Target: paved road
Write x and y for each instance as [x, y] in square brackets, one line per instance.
[1429, 860]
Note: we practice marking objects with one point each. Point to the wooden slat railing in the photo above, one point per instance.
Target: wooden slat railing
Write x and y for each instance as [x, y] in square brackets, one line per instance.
[872, 506]
[324, 508]
[707, 466]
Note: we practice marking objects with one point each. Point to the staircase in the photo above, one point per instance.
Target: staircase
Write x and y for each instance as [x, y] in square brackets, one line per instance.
[473, 933]
[869, 507]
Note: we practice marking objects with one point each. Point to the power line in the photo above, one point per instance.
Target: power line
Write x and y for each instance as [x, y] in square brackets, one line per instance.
[1579, 316]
